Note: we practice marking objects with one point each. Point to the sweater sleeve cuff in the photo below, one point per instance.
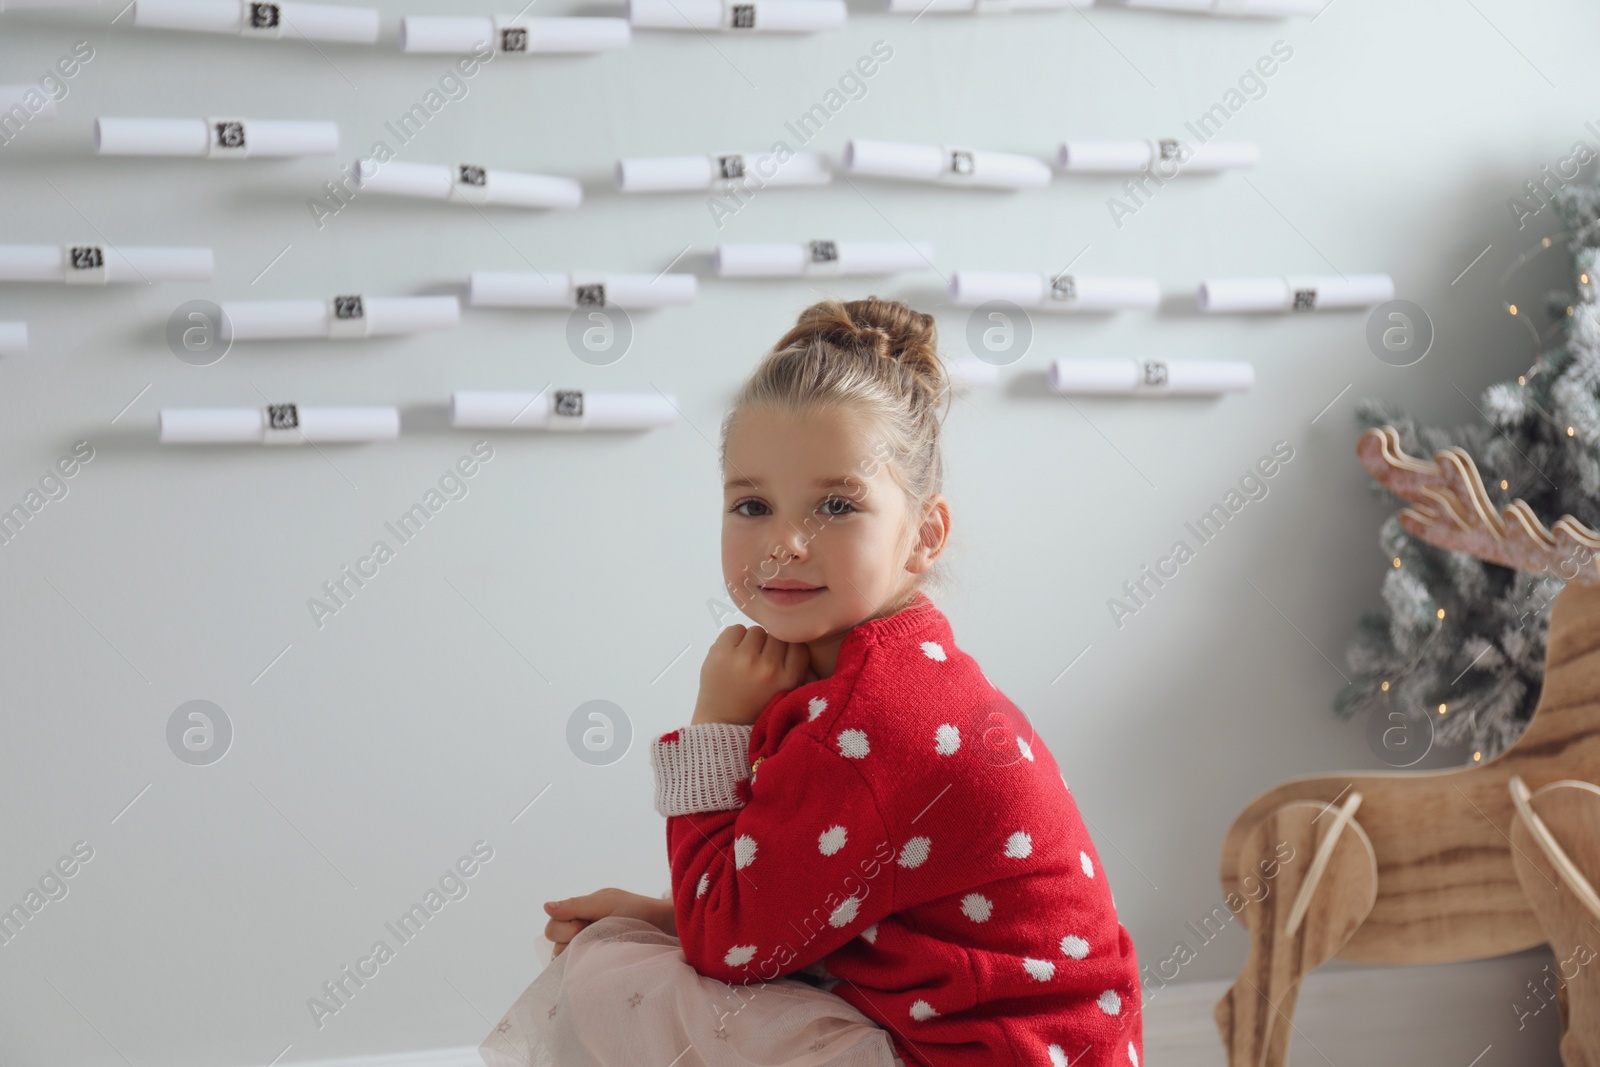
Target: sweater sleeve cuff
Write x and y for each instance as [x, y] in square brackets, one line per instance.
[698, 768]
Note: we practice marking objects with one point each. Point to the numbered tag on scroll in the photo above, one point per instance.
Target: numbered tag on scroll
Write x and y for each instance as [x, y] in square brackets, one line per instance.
[86, 265]
[348, 317]
[730, 168]
[1064, 287]
[471, 184]
[282, 426]
[566, 410]
[1155, 374]
[1305, 299]
[822, 257]
[228, 140]
[741, 16]
[958, 161]
[511, 34]
[589, 294]
[260, 19]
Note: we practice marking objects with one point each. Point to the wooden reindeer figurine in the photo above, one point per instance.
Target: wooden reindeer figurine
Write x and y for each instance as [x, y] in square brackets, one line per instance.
[1442, 840]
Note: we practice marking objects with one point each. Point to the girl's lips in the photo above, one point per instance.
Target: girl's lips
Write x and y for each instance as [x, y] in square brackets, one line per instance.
[791, 597]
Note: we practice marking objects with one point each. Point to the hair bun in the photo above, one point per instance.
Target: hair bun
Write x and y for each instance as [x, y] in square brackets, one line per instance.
[887, 328]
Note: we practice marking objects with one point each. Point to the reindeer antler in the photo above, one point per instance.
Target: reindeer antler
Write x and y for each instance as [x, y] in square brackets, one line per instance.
[1452, 509]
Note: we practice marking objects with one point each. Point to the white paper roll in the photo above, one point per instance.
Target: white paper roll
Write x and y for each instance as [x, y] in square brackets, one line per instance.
[561, 409]
[739, 16]
[567, 291]
[278, 424]
[1293, 293]
[17, 96]
[1062, 292]
[970, 373]
[1168, 158]
[654, 174]
[216, 138]
[507, 35]
[945, 165]
[820, 258]
[467, 184]
[978, 7]
[19, 5]
[99, 264]
[350, 316]
[261, 18]
[13, 338]
[1262, 8]
[1150, 377]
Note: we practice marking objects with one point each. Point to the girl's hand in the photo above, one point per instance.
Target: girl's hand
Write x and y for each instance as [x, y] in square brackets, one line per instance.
[744, 669]
[569, 916]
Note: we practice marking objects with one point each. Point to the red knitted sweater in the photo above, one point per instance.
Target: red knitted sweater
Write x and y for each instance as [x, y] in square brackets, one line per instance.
[905, 838]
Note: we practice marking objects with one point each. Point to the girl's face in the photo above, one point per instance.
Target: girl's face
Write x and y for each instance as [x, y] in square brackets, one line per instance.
[810, 502]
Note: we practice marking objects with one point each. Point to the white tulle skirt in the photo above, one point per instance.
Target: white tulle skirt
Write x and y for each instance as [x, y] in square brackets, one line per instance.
[622, 994]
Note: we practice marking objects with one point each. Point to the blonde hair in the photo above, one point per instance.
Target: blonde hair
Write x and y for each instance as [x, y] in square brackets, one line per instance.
[875, 358]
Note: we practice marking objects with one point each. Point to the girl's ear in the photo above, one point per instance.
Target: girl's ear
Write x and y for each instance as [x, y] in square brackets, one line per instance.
[932, 535]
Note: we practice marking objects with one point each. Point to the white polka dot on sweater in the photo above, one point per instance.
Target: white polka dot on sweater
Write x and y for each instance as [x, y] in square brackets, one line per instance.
[739, 955]
[1086, 863]
[1058, 1057]
[977, 907]
[818, 705]
[845, 912]
[1109, 1002]
[744, 851]
[915, 852]
[705, 883]
[853, 743]
[1133, 1055]
[1075, 946]
[1027, 749]
[831, 840]
[1043, 970]
[946, 740]
[921, 1010]
[1019, 845]
[870, 934]
[933, 650]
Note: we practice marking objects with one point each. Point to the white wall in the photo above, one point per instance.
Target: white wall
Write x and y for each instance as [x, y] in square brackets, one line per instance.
[428, 713]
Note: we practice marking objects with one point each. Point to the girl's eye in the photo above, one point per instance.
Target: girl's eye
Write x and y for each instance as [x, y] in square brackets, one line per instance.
[738, 508]
[837, 500]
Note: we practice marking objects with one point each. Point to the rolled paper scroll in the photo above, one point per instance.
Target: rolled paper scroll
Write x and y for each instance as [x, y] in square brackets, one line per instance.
[1150, 377]
[467, 184]
[19, 5]
[944, 164]
[970, 373]
[100, 264]
[820, 258]
[1060, 292]
[1168, 157]
[509, 289]
[277, 424]
[216, 138]
[13, 338]
[351, 316]
[1300, 292]
[561, 409]
[261, 18]
[773, 16]
[979, 7]
[655, 174]
[16, 96]
[508, 34]
[1263, 8]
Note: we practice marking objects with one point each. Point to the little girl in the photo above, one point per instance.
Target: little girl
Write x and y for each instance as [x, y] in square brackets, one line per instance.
[875, 861]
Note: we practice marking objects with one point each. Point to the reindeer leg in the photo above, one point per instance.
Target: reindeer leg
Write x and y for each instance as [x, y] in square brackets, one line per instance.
[1311, 901]
[1555, 842]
